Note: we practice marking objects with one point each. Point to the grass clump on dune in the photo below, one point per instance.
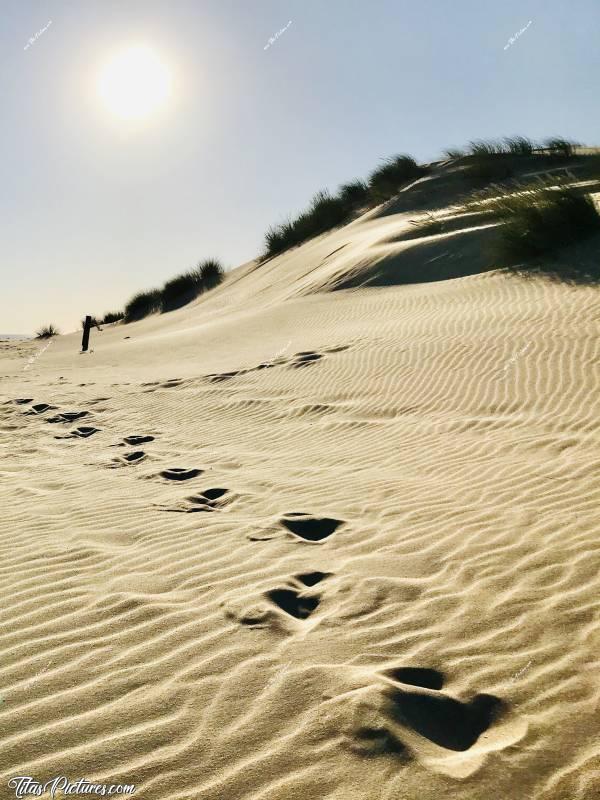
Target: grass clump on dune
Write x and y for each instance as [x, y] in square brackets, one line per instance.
[354, 194]
[327, 211]
[176, 292]
[210, 273]
[560, 147]
[112, 316]
[538, 219]
[495, 159]
[386, 180]
[179, 291]
[47, 332]
[142, 304]
[184, 288]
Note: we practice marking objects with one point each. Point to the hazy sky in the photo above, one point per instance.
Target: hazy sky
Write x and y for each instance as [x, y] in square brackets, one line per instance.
[94, 208]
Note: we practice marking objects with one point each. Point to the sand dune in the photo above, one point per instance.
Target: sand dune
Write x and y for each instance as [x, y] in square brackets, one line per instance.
[293, 543]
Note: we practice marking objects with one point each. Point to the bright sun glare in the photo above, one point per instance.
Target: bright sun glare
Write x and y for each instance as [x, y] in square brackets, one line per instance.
[134, 83]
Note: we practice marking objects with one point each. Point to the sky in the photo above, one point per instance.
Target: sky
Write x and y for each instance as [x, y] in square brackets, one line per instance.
[95, 207]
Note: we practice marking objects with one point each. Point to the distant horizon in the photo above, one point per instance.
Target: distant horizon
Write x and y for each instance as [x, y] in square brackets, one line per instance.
[16, 336]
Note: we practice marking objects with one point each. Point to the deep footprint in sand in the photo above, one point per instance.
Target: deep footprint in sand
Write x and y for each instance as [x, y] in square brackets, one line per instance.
[309, 528]
[205, 501]
[68, 416]
[305, 359]
[180, 473]
[294, 603]
[127, 459]
[312, 578]
[225, 376]
[80, 433]
[134, 458]
[417, 676]
[135, 440]
[442, 719]
[39, 408]
[412, 703]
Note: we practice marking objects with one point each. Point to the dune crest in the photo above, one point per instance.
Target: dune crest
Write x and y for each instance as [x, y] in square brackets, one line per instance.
[388, 587]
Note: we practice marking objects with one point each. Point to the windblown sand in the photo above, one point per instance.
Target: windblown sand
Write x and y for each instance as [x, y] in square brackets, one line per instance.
[352, 556]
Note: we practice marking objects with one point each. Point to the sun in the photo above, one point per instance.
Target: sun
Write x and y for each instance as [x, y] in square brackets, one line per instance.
[134, 83]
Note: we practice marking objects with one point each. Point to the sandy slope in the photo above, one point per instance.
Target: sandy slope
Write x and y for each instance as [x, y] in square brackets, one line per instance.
[394, 591]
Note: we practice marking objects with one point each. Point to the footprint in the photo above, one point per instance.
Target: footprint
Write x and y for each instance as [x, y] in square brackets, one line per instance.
[127, 459]
[257, 616]
[171, 383]
[338, 349]
[305, 359]
[135, 440]
[371, 741]
[205, 501]
[134, 458]
[409, 719]
[417, 676]
[180, 473]
[309, 528]
[312, 578]
[214, 494]
[225, 376]
[442, 719]
[80, 433]
[68, 416]
[294, 603]
[40, 408]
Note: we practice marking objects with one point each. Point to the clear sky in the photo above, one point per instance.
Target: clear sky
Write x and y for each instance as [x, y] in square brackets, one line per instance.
[95, 207]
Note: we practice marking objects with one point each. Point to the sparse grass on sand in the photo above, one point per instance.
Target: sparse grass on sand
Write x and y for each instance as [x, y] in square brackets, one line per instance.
[497, 159]
[179, 291]
[485, 161]
[428, 226]
[210, 273]
[47, 332]
[386, 180]
[112, 316]
[142, 304]
[176, 292]
[326, 211]
[537, 219]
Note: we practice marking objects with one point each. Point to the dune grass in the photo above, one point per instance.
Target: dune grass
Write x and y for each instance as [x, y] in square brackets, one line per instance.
[429, 225]
[142, 304]
[47, 332]
[560, 147]
[525, 229]
[175, 293]
[179, 291]
[210, 273]
[184, 288]
[327, 211]
[112, 316]
[386, 180]
[537, 219]
[354, 194]
[496, 159]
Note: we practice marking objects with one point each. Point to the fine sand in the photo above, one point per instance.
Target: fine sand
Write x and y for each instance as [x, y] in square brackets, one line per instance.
[389, 589]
